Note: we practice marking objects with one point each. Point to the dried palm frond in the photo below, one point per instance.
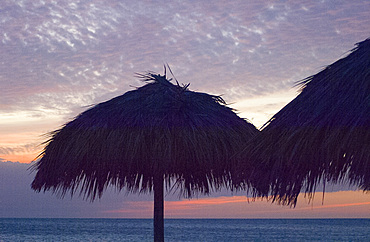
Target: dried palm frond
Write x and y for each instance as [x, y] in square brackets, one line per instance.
[323, 135]
[159, 129]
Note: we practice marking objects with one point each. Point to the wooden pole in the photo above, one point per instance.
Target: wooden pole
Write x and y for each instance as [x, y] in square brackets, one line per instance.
[158, 209]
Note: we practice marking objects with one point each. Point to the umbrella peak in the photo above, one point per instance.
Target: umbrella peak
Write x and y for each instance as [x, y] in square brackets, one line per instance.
[163, 83]
[152, 77]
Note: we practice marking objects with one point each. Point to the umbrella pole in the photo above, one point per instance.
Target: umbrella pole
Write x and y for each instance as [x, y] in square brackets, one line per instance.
[158, 209]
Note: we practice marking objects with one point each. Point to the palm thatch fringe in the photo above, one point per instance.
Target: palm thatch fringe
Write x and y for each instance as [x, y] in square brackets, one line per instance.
[158, 129]
[323, 135]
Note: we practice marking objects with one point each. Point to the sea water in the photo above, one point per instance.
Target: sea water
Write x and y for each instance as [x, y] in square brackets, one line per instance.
[18, 229]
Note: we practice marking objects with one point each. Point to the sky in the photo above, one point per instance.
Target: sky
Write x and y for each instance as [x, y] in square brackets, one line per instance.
[58, 57]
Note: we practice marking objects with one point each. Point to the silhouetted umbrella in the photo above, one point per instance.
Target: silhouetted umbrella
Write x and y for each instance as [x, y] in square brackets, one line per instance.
[323, 135]
[158, 132]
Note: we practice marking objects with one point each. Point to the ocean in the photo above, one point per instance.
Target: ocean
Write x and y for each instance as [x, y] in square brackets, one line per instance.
[19, 229]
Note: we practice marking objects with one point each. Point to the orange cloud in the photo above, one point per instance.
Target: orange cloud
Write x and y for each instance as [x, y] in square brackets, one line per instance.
[20, 157]
[343, 204]
[338, 205]
[208, 201]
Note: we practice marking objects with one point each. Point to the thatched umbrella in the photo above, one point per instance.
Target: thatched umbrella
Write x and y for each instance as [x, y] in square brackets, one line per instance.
[323, 135]
[160, 132]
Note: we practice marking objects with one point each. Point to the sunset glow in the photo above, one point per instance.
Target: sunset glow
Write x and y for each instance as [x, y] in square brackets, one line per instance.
[58, 58]
[336, 204]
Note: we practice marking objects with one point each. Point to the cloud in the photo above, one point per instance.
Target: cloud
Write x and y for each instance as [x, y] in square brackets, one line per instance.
[336, 205]
[27, 148]
[18, 200]
[56, 25]
[261, 108]
[79, 53]
[59, 57]
[342, 205]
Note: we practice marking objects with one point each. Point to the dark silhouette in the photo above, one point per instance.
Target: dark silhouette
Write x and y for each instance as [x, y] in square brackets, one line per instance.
[323, 135]
[159, 133]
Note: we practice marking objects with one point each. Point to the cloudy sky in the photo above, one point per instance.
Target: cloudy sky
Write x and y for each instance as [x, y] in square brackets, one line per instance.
[60, 56]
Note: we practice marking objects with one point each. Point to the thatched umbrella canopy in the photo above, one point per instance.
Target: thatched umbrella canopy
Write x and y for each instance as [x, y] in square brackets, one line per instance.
[323, 135]
[158, 132]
